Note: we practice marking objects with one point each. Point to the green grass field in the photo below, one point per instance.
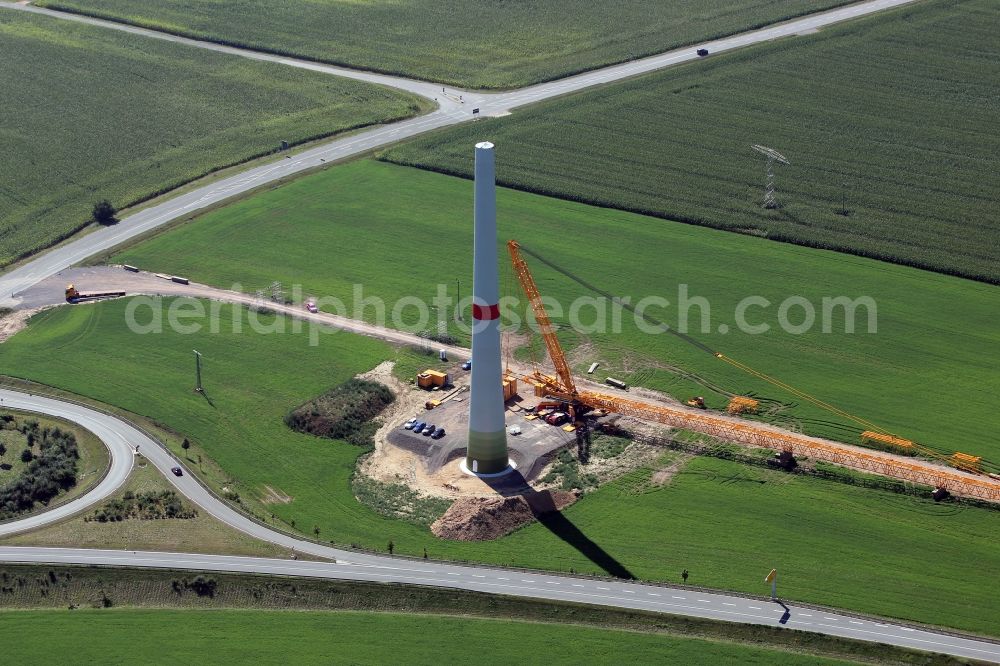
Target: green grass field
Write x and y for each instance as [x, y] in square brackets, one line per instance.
[835, 544]
[905, 377]
[896, 119]
[43, 588]
[215, 637]
[91, 113]
[481, 45]
[201, 534]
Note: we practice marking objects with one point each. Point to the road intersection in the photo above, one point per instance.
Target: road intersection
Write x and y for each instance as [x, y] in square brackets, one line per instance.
[454, 107]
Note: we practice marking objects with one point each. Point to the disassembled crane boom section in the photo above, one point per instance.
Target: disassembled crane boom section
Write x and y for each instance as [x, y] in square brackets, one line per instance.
[737, 430]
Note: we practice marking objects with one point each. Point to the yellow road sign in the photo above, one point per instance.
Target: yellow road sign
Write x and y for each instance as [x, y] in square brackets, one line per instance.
[770, 576]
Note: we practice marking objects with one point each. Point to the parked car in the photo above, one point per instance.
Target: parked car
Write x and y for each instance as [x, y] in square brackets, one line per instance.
[418, 426]
[177, 471]
[467, 365]
[311, 306]
[514, 430]
[702, 52]
[428, 430]
[438, 434]
[409, 424]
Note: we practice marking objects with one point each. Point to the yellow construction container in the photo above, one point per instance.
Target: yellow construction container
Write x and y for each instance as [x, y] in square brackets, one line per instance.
[431, 378]
[509, 388]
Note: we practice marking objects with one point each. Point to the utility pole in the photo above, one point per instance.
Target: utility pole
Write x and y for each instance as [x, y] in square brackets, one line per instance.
[772, 155]
[458, 290]
[197, 370]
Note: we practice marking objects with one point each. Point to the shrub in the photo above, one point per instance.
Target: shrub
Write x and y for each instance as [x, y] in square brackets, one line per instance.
[346, 412]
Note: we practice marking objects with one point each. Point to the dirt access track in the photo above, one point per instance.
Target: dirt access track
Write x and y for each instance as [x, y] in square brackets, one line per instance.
[115, 278]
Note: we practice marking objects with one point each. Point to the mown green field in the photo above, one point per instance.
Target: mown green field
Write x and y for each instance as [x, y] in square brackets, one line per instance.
[336, 229]
[835, 544]
[269, 637]
[479, 45]
[894, 116]
[90, 113]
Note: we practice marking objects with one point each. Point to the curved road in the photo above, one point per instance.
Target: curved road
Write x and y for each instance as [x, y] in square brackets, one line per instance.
[122, 437]
[451, 111]
[112, 434]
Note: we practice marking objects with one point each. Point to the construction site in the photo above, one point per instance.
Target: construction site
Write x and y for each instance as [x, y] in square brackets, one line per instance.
[433, 446]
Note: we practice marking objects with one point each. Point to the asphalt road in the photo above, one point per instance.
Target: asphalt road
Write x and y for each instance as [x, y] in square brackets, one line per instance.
[120, 436]
[115, 436]
[455, 106]
[350, 565]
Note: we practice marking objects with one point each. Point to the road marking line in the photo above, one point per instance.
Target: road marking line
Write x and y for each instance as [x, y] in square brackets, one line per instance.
[856, 622]
[673, 597]
[502, 578]
[577, 585]
[603, 588]
[525, 580]
[653, 594]
[552, 582]
[705, 601]
[726, 604]
[754, 607]
[629, 591]
[830, 618]
[805, 614]
[478, 576]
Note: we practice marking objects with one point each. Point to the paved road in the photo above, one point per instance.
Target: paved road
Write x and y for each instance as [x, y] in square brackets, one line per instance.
[114, 437]
[121, 436]
[451, 112]
[357, 566]
[538, 586]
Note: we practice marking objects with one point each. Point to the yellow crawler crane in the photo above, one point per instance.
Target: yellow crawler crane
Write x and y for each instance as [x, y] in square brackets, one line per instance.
[732, 429]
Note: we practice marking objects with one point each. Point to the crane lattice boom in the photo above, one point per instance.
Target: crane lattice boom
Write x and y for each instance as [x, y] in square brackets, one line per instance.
[749, 433]
[545, 325]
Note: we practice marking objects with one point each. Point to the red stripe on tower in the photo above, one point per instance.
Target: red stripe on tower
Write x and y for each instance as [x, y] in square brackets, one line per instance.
[485, 311]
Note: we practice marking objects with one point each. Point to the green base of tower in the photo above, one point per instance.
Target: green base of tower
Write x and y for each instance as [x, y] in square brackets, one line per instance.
[487, 452]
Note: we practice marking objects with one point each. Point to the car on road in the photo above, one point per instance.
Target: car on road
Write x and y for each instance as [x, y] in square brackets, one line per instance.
[438, 434]
[311, 307]
[409, 424]
[702, 53]
[428, 429]
[177, 471]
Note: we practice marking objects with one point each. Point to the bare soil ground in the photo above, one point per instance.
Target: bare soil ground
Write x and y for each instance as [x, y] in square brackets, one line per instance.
[14, 321]
[487, 518]
[663, 475]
